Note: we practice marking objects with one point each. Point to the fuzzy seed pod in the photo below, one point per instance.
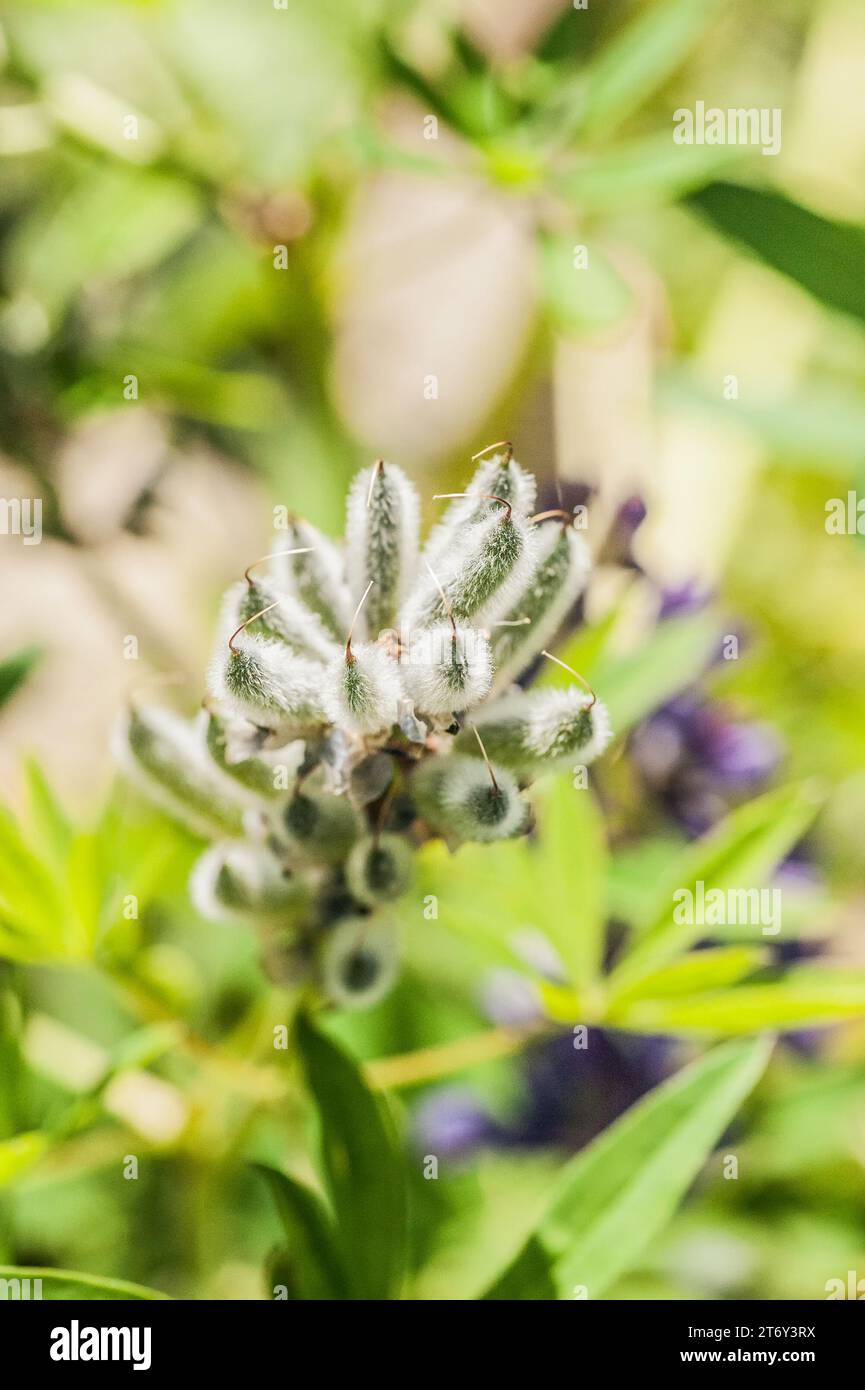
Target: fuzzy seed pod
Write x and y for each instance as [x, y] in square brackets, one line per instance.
[263, 680]
[241, 879]
[362, 689]
[379, 869]
[231, 744]
[543, 727]
[497, 476]
[381, 543]
[446, 668]
[290, 621]
[315, 578]
[558, 577]
[480, 579]
[459, 797]
[358, 961]
[320, 829]
[166, 756]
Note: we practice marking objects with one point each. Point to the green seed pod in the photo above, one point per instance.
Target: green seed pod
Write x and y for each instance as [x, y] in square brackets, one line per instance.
[362, 689]
[242, 879]
[461, 798]
[382, 527]
[263, 680]
[320, 828]
[379, 869]
[283, 617]
[358, 961]
[557, 579]
[445, 668]
[527, 731]
[479, 579]
[497, 476]
[166, 756]
[230, 743]
[316, 578]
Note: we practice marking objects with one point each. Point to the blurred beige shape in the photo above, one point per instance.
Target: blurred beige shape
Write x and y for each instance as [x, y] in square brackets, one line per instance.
[152, 1107]
[435, 295]
[79, 603]
[823, 151]
[605, 433]
[761, 331]
[506, 28]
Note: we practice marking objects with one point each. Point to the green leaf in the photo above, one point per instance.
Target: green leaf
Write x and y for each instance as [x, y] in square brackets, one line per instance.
[362, 1166]
[15, 670]
[647, 171]
[51, 826]
[111, 222]
[570, 878]
[676, 653]
[313, 1257]
[826, 258]
[20, 1153]
[806, 998]
[742, 852]
[580, 299]
[695, 973]
[617, 1196]
[65, 1284]
[640, 59]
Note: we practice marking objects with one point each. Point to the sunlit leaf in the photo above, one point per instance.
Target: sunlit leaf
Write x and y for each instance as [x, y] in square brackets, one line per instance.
[805, 998]
[616, 1196]
[742, 852]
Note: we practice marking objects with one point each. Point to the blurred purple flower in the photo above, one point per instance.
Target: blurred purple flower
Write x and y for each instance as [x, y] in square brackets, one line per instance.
[450, 1122]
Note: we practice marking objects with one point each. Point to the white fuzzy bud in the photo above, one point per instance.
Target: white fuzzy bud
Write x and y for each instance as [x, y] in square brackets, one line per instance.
[459, 797]
[542, 727]
[498, 476]
[445, 670]
[263, 680]
[558, 576]
[477, 581]
[316, 578]
[358, 961]
[239, 879]
[382, 526]
[362, 690]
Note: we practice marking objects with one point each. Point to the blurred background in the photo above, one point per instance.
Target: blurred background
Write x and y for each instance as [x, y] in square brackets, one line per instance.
[245, 249]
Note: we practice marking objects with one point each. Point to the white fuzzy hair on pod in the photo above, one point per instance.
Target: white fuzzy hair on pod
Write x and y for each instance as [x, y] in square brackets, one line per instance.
[550, 711]
[316, 578]
[443, 670]
[358, 961]
[264, 680]
[497, 474]
[468, 800]
[560, 569]
[256, 874]
[382, 536]
[362, 692]
[486, 567]
[291, 621]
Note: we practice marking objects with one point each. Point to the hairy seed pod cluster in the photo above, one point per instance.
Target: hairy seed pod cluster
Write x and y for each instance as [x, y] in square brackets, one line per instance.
[360, 701]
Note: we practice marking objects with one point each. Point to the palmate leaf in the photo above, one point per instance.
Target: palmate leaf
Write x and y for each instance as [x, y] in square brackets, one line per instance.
[742, 852]
[362, 1165]
[676, 654]
[312, 1255]
[617, 1195]
[809, 997]
[66, 1284]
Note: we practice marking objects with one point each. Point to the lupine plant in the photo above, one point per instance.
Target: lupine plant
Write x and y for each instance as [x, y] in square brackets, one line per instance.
[361, 701]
